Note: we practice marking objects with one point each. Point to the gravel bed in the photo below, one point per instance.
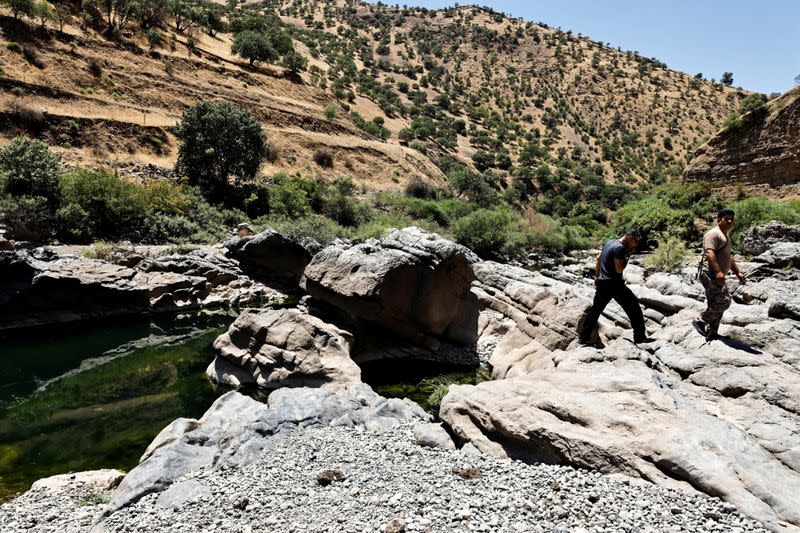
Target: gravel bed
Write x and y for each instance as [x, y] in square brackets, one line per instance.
[391, 484]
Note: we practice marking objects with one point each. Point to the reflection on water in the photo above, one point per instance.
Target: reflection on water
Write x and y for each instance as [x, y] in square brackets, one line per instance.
[78, 398]
[420, 381]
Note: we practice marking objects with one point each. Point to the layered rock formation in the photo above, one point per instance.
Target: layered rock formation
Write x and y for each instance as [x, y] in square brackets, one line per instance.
[764, 150]
[720, 417]
[40, 287]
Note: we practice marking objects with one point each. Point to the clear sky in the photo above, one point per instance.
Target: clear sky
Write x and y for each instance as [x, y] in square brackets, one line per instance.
[757, 40]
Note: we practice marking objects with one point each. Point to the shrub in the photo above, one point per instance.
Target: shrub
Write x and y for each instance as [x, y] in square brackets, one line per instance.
[668, 255]
[653, 215]
[107, 206]
[377, 228]
[288, 200]
[329, 112]
[345, 209]
[323, 158]
[14, 47]
[294, 61]
[219, 140]
[100, 250]
[760, 210]
[30, 169]
[29, 217]
[489, 233]
[419, 188]
[321, 229]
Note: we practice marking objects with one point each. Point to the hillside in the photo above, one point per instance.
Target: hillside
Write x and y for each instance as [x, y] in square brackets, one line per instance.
[759, 151]
[466, 82]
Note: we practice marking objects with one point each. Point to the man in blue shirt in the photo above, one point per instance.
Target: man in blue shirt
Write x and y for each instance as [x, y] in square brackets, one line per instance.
[610, 285]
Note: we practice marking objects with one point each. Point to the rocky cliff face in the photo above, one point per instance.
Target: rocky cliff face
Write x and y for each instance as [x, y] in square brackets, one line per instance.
[764, 152]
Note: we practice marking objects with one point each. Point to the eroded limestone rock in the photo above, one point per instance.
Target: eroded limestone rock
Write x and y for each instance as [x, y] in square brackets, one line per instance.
[413, 283]
[283, 347]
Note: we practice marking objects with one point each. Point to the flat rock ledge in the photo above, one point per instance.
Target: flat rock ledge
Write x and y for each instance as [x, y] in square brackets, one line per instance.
[721, 417]
[40, 287]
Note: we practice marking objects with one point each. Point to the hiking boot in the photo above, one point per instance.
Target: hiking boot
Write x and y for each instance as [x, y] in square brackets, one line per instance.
[590, 343]
[643, 340]
[700, 328]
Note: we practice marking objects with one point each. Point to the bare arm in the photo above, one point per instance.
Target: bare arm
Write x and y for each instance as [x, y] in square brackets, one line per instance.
[619, 265]
[597, 267]
[735, 269]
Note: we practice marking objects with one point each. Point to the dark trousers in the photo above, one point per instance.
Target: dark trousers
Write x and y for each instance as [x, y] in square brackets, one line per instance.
[607, 290]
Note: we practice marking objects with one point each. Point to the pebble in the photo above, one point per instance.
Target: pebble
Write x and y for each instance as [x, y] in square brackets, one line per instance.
[394, 486]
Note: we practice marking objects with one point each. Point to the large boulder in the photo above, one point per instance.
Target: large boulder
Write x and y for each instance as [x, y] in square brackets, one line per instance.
[411, 282]
[283, 347]
[758, 239]
[272, 254]
[37, 287]
[237, 429]
[722, 417]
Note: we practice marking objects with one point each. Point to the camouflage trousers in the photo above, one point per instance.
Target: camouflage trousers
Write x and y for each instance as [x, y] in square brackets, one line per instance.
[718, 299]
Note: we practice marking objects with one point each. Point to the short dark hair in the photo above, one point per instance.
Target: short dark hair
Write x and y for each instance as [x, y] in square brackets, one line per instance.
[726, 212]
[633, 232]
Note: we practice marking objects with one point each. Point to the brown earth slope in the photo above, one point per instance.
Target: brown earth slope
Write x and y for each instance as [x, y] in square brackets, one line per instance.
[101, 103]
[762, 154]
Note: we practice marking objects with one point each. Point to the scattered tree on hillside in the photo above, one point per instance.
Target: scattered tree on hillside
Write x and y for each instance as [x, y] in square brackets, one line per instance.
[254, 46]
[294, 62]
[727, 79]
[19, 8]
[797, 79]
[219, 141]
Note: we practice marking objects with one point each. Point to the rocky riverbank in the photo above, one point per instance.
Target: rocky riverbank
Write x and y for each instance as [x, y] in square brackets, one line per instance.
[388, 483]
[679, 416]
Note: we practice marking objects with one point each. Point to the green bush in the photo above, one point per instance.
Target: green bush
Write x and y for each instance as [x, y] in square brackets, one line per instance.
[288, 200]
[330, 112]
[99, 206]
[653, 215]
[321, 229]
[489, 233]
[668, 256]
[29, 217]
[760, 210]
[219, 141]
[28, 168]
[377, 228]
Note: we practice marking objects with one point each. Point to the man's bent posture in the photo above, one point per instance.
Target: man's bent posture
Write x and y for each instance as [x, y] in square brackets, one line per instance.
[610, 285]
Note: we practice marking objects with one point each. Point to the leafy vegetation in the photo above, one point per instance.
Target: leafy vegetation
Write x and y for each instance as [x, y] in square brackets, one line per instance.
[219, 141]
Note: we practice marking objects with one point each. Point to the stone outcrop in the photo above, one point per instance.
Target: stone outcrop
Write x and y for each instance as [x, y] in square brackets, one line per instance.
[37, 287]
[758, 239]
[272, 254]
[722, 417]
[283, 347]
[237, 429]
[413, 283]
[765, 150]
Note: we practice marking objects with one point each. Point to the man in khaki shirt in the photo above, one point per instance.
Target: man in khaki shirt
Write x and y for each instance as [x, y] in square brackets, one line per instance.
[719, 261]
